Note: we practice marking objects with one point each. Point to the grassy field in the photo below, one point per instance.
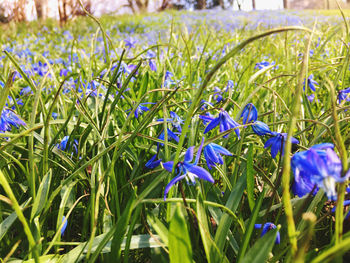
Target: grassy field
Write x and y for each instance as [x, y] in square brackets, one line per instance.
[204, 136]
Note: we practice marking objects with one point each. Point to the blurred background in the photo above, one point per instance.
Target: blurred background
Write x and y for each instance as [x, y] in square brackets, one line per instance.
[27, 10]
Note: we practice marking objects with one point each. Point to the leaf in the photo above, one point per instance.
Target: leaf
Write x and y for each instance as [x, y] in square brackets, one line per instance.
[8, 221]
[180, 249]
[41, 198]
[250, 177]
[4, 92]
[211, 249]
[232, 204]
[261, 249]
[250, 228]
[159, 227]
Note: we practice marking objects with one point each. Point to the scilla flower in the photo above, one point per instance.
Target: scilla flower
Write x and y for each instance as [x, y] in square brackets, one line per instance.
[344, 95]
[8, 119]
[311, 83]
[224, 121]
[212, 153]
[267, 227]
[261, 128]
[249, 113]
[187, 170]
[64, 221]
[277, 143]
[318, 167]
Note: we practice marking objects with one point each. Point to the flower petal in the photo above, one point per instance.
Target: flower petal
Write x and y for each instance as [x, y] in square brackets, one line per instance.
[171, 183]
[168, 166]
[212, 125]
[200, 172]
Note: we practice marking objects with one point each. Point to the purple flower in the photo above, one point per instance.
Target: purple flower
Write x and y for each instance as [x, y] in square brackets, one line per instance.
[249, 113]
[175, 120]
[130, 43]
[217, 95]
[318, 167]
[224, 121]
[261, 128]
[153, 163]
[263, 64]
[171, 135]
[152, 64]
[267, 227]
[344, 95]
[64, 221]
[187, 170]
[277, 143]
[140, 109]
[8, 119]
[64, 146]
[311, 83]
[212, 154]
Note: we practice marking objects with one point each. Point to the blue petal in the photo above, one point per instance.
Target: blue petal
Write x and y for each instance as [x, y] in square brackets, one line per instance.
[64, 221]
[212, 125]
[189, 154]
[220, 149]
[168, 166]
[199, 152]
[171, 183]
[200, 172]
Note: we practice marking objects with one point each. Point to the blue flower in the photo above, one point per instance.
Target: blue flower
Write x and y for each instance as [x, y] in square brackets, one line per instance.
[140, 109]
[54, 115]
[64, 147]
[8, 119]
[26, 90]
[230, 85]
[267, 227]
[277, 143]
[311, 83]
[152, 64]
[206, 118]
[261, 128]
[130, 43]
[175, 120]
[204, 104]
[171, 135]
[318, 167]
[311, 97]
[344, 95]
[212, 154]
[187, 170]
[224, 121]
[249, 113]
[153, 163]
[64, 221]
[263, 64]
[217, 95]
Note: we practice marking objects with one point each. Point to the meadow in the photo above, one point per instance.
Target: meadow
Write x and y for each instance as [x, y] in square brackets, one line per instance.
[181, 136]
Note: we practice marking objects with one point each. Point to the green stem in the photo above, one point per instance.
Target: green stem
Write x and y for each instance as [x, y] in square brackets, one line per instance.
[20, 215]
[286, 197]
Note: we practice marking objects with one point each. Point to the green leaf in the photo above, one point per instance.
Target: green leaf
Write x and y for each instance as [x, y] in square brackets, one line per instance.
[211, 249]
[261, 249]
[8, 221]
[4, 92]
[250, 177]
[41, 198]
[159, 227]
[232, 204]
[250, 228]
[180, 249]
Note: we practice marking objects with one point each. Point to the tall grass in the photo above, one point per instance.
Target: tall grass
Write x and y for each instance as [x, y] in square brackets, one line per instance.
[74, 181]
